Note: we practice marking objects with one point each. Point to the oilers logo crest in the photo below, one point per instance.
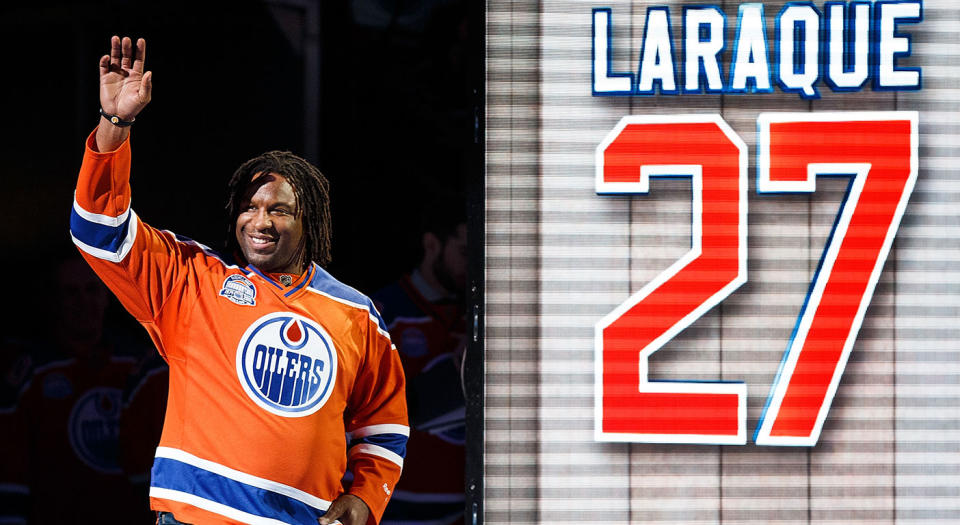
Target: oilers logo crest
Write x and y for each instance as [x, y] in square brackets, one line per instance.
[239, 289]
[287, 364]
[93, 429]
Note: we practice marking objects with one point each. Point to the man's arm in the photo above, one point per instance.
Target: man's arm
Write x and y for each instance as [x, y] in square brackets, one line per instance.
[377, 428]
[142, 266]
[124, 89]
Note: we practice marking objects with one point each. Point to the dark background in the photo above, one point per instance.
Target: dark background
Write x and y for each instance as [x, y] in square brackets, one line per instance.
[384, 96]
[380, 94]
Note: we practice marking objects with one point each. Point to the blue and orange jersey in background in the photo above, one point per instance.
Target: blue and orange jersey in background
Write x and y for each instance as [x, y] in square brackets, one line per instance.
[141, 424]
[61, 438]
[429, 336]
[273, 389]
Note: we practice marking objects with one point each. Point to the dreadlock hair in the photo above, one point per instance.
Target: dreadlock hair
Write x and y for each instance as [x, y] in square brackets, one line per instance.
[313, 200]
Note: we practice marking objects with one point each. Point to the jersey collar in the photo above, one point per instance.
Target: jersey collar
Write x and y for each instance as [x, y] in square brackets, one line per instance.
[294, 287]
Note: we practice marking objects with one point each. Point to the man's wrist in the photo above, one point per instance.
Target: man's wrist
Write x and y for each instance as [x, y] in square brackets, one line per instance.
[109, 137]
[366, 506]
[116, 120]
[358, 497]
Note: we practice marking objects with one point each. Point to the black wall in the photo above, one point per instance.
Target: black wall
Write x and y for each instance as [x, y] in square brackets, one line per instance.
[394, 119]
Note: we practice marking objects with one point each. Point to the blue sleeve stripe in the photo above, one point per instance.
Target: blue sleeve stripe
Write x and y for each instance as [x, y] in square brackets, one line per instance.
[111, 242]
[100, 236]
[396, 443]
[172, 475]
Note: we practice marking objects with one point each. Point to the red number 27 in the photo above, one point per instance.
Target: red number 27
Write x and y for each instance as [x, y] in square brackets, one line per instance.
[877, 151]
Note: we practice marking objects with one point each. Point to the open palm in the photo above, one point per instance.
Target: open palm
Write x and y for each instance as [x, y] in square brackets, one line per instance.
[124, 88]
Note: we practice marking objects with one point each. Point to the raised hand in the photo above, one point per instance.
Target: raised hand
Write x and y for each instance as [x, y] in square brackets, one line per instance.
[124, 88]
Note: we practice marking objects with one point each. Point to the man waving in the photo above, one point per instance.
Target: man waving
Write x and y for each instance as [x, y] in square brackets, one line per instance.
[272, 360]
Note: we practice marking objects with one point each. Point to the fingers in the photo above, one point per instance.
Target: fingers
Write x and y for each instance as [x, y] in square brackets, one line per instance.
[141, 55]
[336, 509]
[146, 87]
[126, 61]
[115, 53]
[347, 509]
[331, 516]
[124, 56]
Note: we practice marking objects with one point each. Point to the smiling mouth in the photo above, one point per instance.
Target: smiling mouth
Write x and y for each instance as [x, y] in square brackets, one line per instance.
[261, 241]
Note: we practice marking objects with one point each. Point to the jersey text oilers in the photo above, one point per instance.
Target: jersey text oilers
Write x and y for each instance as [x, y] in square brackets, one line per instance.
[286, 363]
[266, 380]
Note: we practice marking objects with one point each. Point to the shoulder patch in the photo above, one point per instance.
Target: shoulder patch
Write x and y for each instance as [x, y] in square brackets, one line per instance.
[238, 289]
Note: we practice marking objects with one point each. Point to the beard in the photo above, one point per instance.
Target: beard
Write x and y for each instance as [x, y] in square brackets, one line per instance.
[446, 278]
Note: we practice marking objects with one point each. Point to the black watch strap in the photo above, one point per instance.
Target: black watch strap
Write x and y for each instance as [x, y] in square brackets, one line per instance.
[115, 120]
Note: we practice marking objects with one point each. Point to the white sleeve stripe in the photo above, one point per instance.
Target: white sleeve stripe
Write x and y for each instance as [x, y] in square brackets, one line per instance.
[363, 432]
[120, 254]
[96, 252]
[381, 331]
[375, 450]
[105, 220]
[212, 506]
[242, 477]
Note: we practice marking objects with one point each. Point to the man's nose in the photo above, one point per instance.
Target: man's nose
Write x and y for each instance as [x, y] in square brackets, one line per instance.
[262, 220]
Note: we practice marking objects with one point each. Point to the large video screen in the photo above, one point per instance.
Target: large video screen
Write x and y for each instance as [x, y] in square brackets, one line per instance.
[721, 262]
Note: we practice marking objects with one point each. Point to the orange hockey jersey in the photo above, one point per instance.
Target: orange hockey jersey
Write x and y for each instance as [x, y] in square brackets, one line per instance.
[274, 389]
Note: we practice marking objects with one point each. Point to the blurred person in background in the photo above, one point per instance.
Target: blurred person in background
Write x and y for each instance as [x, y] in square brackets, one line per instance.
[62, 442]
[425, 314]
